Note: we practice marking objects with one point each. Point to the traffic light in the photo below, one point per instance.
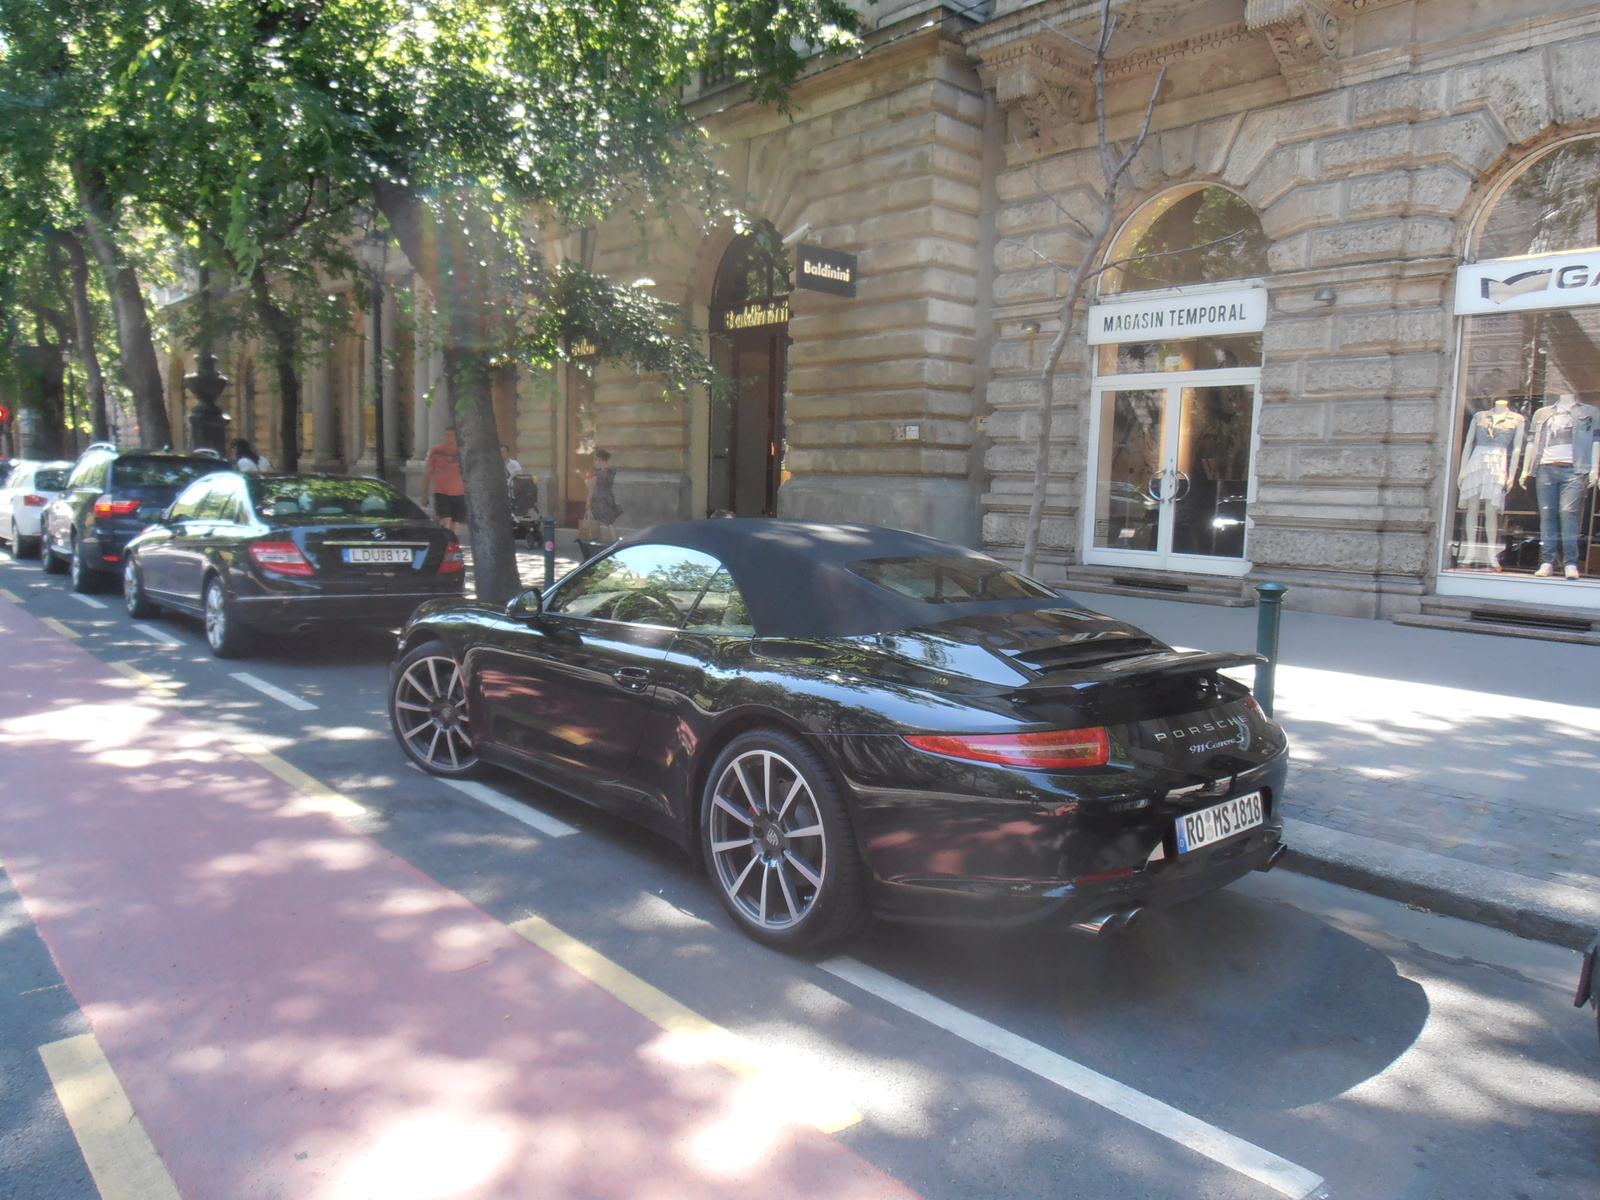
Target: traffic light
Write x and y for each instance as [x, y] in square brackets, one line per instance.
[5, 414]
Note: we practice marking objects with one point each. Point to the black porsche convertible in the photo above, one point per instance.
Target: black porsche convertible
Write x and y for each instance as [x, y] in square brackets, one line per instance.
[845, 719]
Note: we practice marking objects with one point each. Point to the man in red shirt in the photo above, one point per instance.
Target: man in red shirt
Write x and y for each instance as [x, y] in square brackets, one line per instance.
[441, 478]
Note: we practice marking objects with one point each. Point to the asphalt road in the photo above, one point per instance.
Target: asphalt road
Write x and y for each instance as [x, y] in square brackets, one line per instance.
[1391, 1052]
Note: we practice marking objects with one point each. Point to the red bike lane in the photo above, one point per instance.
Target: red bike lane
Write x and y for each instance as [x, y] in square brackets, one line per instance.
[296, 1012]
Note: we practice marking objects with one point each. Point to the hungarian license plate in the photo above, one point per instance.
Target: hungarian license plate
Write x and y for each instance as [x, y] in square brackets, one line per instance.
[378, 554]
[1218, 822]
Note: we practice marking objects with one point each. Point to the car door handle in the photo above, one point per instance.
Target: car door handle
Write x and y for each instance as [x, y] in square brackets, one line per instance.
[633, 678]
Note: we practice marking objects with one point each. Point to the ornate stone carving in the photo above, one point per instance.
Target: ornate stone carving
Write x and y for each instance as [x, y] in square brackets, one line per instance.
[1305, 38]
[1048, 78]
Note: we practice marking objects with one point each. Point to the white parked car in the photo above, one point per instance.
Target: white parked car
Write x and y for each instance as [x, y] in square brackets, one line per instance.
[28, 491]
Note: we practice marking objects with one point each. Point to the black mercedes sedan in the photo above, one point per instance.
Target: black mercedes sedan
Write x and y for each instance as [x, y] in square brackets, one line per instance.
[843, 719]
[279, 553]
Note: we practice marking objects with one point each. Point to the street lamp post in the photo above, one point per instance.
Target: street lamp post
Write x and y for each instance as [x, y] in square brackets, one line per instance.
[208, 424]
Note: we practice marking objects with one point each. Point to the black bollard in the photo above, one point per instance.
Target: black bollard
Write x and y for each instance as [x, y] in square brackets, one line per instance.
[1269, 614]
[549, 551]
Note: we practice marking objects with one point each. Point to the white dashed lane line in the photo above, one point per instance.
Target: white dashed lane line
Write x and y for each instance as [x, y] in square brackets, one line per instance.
[514, 809]
[277, 693]
[159, 635]
[88, 600]
[1279, 1174]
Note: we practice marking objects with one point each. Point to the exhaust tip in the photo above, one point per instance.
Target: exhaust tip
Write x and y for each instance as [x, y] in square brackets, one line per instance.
[1111, 924]
[1272, 859]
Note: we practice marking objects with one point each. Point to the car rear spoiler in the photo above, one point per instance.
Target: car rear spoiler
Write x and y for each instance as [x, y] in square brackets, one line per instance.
[1127, 670]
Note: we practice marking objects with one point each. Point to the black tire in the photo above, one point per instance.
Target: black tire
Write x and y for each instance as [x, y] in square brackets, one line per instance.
[25, 547]
[428, 712]
[134, 598]
[800, 844]
[48, 559]
[85, 579]
[225, 634]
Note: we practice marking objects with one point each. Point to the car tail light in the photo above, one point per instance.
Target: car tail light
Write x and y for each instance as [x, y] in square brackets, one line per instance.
[1051, 750]
[280, 558]
[452, 561]
[32, 501]
[104, 507]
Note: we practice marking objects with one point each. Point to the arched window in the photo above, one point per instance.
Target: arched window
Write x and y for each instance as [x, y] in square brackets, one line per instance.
[754, 267]
[1202, 234]
[1550, 204]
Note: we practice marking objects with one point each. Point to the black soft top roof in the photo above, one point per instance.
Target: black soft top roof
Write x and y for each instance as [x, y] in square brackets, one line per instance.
[795, 579]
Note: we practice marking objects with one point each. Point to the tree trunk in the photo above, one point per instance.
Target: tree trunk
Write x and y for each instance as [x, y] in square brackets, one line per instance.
[494, 552]
[456, 286]
[137, 347]
[88, 350]
[283, 345]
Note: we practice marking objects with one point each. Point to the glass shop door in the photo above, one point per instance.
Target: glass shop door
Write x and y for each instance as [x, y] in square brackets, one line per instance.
[1171, 478]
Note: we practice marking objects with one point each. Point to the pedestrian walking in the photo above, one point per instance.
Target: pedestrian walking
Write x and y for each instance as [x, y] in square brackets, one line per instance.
[601, 510]
[247, 460]
[441, 478]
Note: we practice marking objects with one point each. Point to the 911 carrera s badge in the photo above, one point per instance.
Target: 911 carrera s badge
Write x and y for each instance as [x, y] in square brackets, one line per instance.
[1203, 737]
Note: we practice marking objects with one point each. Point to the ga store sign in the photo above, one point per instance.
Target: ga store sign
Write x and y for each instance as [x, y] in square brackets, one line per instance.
[1540, 281]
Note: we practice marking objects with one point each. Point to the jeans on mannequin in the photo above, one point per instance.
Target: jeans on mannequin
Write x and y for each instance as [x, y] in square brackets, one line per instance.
[1560, 489]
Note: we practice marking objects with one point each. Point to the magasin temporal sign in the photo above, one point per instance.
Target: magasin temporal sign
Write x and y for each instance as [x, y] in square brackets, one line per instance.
[1172, 318]
[820, 270]
[1541, 281]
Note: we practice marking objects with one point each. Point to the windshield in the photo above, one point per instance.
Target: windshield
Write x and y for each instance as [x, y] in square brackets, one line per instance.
[950, 580]
[50, 479]
[161, 472]
[292, 496]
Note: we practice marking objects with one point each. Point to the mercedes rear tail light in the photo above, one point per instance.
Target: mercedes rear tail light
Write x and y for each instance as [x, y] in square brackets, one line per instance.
[280, 558]
[1052, 750]
[107, 507]
[33, 501]
[452, 561]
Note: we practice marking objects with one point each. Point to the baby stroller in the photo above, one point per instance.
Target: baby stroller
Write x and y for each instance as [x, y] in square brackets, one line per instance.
[526, 521]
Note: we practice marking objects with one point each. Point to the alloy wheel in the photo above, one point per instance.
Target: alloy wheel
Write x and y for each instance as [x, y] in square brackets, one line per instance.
[767, 840]
[430, 704]
[216, 616]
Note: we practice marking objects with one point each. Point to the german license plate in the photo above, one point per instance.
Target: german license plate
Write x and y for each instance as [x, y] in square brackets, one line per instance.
[378, 554]
[1221, 821]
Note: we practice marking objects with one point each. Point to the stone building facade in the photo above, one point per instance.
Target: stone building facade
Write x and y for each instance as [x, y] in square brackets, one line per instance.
[1355, 151]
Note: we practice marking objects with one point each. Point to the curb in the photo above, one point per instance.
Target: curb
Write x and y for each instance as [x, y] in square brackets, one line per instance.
[1531, 908]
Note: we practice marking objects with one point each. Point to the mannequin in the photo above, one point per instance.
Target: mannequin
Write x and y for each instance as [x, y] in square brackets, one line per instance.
[1563, 455]
[1488, 460]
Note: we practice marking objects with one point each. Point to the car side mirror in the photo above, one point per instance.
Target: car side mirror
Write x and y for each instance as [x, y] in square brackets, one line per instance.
[525, 605]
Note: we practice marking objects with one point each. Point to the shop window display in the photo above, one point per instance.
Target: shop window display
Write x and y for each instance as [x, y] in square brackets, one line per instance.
[1527, 439]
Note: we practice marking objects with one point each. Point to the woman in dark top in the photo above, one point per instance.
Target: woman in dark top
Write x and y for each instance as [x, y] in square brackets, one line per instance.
[603, 509]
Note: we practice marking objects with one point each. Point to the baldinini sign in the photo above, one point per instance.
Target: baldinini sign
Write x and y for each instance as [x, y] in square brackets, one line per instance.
[1173, 318]
[1528, 284]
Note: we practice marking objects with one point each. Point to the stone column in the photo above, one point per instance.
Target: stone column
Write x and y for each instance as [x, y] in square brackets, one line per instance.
[391, 384]
[322, 456]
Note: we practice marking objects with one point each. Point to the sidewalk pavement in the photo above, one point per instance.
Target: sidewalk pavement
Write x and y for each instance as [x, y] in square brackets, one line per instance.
[294, 1011]
[1456, 771]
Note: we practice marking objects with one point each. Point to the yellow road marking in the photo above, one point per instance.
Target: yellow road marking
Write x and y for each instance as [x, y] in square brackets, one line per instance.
[116, 1148]
[150, 683]
[695, 1038]
[8, 594]
[52, 623]
[321, 797]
